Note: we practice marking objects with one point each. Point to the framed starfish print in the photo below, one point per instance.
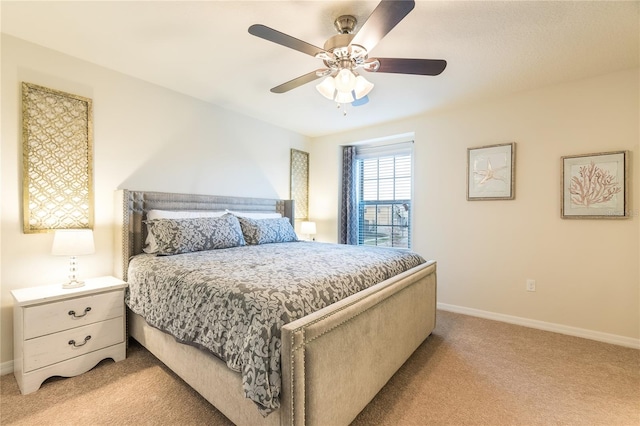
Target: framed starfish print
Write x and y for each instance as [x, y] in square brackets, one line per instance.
[491, 172]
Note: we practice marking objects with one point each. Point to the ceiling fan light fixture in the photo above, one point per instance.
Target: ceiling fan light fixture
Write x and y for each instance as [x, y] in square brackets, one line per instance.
[344, 97]
[345, 81]
[327, 88]
[362, 87]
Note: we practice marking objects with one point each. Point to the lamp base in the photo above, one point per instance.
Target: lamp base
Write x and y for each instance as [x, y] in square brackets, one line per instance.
[73, 284]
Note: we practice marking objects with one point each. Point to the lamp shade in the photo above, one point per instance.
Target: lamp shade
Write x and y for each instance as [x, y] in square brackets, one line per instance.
[327, 88]
[72, 242]
[344, 97]
[345, 81]
[308, 228]
[363, 87]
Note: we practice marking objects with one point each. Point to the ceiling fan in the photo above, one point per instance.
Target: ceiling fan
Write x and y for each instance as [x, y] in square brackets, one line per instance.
[346, 53]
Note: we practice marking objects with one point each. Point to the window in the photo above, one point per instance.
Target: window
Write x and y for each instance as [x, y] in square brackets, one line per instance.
[384, 176]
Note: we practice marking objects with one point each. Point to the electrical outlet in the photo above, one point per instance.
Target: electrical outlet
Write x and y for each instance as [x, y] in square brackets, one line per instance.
[531, 285]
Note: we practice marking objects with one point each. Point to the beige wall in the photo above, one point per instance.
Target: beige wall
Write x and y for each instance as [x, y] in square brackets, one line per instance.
[586, 270]
[145, 138]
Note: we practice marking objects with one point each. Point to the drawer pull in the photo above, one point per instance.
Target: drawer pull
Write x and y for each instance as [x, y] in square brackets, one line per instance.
[86, 311]
[73, 342]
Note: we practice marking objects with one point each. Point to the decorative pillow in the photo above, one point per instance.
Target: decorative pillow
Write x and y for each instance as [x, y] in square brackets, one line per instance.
[150, 242]
[264, 231]
[176, 236]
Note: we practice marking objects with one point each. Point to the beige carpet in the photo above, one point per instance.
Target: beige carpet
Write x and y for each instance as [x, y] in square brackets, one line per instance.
[470, 371]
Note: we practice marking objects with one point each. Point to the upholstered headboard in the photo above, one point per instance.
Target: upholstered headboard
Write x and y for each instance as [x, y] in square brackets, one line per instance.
[134, 206]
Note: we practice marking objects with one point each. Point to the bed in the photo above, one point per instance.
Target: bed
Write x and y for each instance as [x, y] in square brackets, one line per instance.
[332, 362]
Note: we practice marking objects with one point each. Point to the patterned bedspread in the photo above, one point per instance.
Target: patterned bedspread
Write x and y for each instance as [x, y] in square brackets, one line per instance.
[234, 301]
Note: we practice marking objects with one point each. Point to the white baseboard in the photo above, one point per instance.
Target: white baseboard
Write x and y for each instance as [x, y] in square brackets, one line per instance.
[547, 326]
[6, 368]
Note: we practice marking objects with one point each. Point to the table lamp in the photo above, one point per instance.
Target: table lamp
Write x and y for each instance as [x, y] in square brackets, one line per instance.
[308, 228]
[73, 242]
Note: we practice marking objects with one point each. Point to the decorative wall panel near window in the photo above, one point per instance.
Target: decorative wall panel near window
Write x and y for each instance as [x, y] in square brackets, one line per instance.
[300, 183]
[384, 191]
[57, 143]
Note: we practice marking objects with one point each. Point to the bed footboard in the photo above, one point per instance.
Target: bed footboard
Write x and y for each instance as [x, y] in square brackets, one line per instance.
[336, 360]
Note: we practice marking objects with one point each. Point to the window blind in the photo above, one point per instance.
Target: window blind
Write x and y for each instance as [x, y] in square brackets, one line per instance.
[384, 194]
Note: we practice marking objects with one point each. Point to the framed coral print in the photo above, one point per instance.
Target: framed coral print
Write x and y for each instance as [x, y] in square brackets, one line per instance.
[491, 172]
[594, 186]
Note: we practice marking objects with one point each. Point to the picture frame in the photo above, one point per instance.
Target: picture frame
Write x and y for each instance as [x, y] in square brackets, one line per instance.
[57, 158]
[491, 172]
[300, 183]
[594, 186]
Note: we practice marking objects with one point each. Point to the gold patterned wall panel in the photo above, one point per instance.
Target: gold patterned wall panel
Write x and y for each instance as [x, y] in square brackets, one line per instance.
[300, 183]
[57, 144]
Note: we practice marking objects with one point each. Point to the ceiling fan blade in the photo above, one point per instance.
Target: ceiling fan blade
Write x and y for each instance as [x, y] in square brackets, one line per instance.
[285, 40]
[299, 81]
[410, 66]
[382, 20]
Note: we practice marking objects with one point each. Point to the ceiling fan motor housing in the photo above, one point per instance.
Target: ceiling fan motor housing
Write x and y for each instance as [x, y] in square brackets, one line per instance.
[343, 54]
[345, 24]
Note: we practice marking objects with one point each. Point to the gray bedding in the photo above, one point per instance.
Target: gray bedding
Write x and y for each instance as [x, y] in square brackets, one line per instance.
[233, 302]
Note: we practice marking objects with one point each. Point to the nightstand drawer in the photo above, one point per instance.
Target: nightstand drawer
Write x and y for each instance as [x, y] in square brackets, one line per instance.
[49, 318]
[57, 347]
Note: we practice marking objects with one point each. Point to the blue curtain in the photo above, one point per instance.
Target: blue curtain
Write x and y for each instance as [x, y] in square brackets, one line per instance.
[348, 202]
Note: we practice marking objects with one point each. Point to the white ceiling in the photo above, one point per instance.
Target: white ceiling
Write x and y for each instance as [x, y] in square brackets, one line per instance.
[203, 49]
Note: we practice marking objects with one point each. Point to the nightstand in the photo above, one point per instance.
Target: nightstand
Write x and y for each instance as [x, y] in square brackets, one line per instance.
[66, 332]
